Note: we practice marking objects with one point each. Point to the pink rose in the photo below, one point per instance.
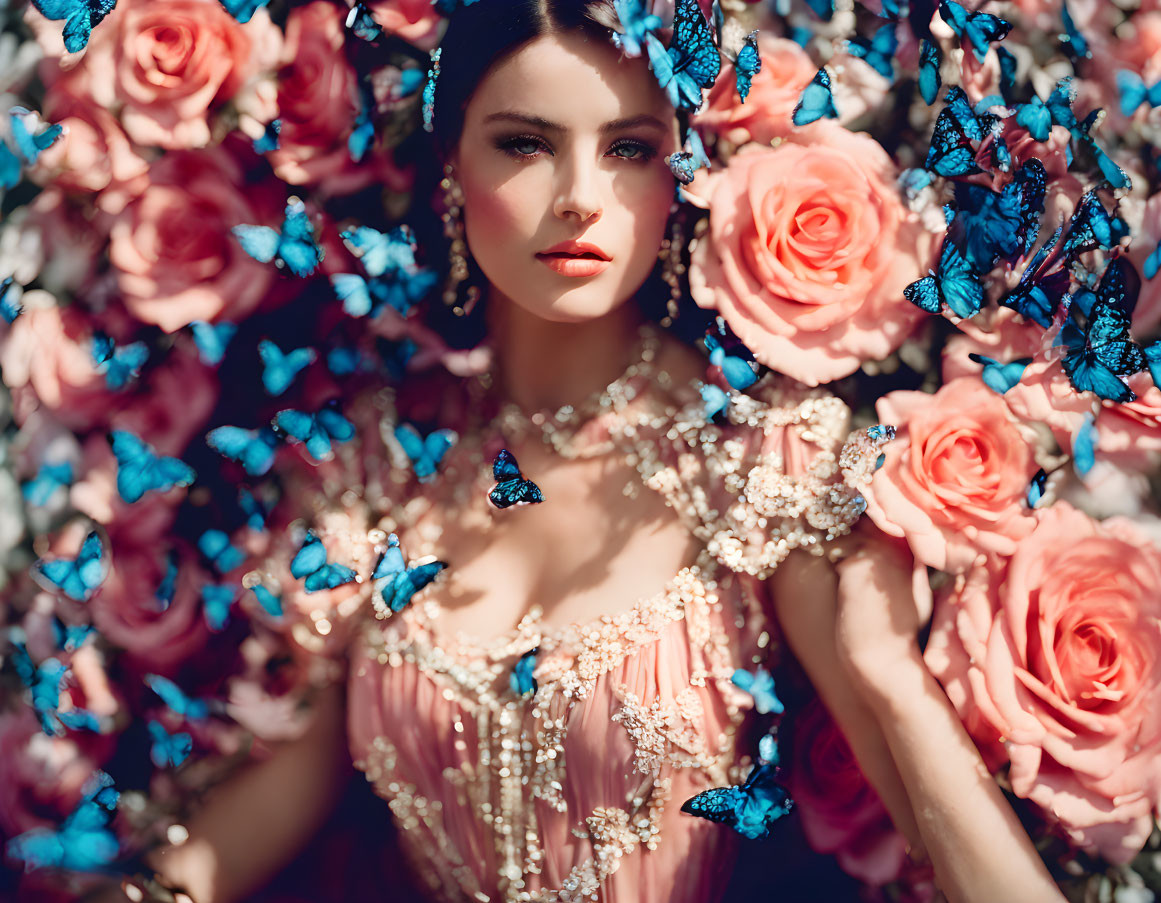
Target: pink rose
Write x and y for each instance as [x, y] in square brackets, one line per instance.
[1147, 314]
[955, 478]
[786, 70]
[172, 245]
[808, 252]
[318, 101]
[841, 813]
[1059, 660]
[1129, 434]
[416, 21]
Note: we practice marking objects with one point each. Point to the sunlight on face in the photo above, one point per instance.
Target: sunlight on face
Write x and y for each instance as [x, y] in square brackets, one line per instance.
[564, 142]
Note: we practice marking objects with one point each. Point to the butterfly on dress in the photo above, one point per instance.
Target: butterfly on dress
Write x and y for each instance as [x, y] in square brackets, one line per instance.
[279, 368]
[80, 18]
[521, 679]
[362, 24]
[52, 476]
[243, 10]
[715, 401]
[176, 700]
[424, 452]
[28, 143]
[121, 364]
[10, 295]
[78, 578]
[140, 469]
[168, 750]
[512, 487]
[394, 582]
[692, 61]
[216, 546]
[293, 246]
[760, 685]
[211, 340]
[1000, 377]
[315, 431]
[1100, 351]
[737, 364]
[816, 101]
[976, 29]
[217, 599]
[878, 51]
[84, 841]
[253, 449]
[750, 809]
[310, 565]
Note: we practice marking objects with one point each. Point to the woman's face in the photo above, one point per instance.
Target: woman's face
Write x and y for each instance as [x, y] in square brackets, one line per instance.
[562, 164]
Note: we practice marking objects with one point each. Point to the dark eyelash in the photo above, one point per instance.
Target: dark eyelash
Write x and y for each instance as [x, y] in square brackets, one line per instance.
[648, 152]
[508, 146]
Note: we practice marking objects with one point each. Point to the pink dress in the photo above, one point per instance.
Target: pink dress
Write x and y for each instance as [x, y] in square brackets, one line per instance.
[574, 792]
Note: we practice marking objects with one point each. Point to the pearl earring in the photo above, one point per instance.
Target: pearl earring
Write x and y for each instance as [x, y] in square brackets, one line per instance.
[453, 230]
[672, 265]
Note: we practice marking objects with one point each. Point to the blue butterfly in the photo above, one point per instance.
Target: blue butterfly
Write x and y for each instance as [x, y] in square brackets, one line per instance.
[1135, 92]
[989, 225]
[816, 102]
[636, 23]
[977, 29]
[879, 51]
[44, 681]
[1084, 446]
[294, 246]
[28, 146]
[270, 139]
[1152, 354]
[1092, 227]
[10, 306]
[316, 431]
[382, 252]
[243, 10]
[824, 9]
[80, 18]
[216, 546]
[914, 181]
[750, 809]
[176, 699]
[120, 364]
[1035, 117]
[447, 7]
[952, 152]
[740, 372]
[1008, 66]
[216, 601]
[362, 24]
[521, 679]
[685, 163]
[363, 131]
[168, 750]
[1101, 352]
[511, 486]
[1001, 377]
[70, 637]
[270, 603]
[953, 284]
[212, 339]
[930, 61]
[279, 368]
[140, 469]
[425, 453]
[254, 510]
[1036, 488]
[83, 842]
[310, 562]
[1152, 262]
[253, 449]
[715, 401]
[747, 63]
[760, 685]
[395, 582]
[768, 749]
[53, 475]
[78, 578]
[691, 63]
[1042, 285]
[1072, 41]
[410, 81]
[401, 291]
[168, 586]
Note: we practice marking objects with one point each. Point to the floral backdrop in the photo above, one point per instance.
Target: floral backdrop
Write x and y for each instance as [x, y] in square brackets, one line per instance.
[946, 212]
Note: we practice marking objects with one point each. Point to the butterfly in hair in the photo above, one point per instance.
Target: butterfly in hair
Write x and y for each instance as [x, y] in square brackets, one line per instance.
[635, 23]
[394, 582]
[751, 809]
[512, 487]
[692, 61]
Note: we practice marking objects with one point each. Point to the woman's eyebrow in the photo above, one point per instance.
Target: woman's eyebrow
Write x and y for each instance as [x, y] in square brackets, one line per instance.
[614, 125]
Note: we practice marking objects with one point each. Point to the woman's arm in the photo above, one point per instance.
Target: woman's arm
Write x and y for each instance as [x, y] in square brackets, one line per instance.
[253, 824]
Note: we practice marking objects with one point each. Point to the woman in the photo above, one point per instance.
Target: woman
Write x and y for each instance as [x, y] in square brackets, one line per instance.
[534, 728]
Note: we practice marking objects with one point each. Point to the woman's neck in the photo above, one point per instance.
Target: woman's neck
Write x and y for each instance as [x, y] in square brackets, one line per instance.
[543, 364]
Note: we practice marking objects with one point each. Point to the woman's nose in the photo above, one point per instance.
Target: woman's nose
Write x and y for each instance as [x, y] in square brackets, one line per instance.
[578, 192]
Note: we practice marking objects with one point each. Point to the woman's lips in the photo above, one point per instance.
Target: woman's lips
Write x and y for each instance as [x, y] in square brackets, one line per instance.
[575, 265]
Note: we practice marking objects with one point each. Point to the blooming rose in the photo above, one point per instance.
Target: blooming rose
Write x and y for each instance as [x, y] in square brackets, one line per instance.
[1059, 660]
[416, 21]
[172, 246]
[955, 478]
[786, 70]
[808, 252]
[841, 813]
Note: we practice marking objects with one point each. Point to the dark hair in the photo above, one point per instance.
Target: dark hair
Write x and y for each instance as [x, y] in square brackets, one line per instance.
[480, 35]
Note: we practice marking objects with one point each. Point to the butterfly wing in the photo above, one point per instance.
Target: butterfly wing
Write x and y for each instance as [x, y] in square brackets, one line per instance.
[747, 65]
[270, 603]
[260, 242]
[354, 292]
[253, 449]
[296, 245]
[959, 286]
[243, 10]
[362, 24]
[930, 60]
[397, 591]
[338, 427]
[216, 601]
[211, 340]
[270, 139]
[816, 101]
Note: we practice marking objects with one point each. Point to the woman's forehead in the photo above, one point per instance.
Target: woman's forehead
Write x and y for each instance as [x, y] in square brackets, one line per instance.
[573, 80]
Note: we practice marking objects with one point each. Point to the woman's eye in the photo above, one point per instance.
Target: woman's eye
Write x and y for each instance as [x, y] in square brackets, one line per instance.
[633, 150]
[522, 146]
